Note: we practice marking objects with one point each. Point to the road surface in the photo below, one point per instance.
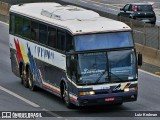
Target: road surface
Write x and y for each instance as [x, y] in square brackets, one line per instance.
[148, 98]
[113, 6]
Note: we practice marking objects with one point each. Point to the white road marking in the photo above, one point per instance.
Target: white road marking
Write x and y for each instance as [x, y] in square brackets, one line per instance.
[97, 5]
[4, 23]
[29, 102]
[19, 97]
[138, 31]
[83, 1]
[103, 4]
[112, 9]
[52, 113]
[149, 73]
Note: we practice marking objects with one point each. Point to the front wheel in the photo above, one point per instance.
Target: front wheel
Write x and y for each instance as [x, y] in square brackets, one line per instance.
[21, 69]
[119, 104]
[153, 24]
[65, 96]
[24, 77]
[30, 80]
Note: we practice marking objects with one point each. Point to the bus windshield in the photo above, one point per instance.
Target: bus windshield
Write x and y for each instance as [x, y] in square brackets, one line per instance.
[106, 67]
[103, 41]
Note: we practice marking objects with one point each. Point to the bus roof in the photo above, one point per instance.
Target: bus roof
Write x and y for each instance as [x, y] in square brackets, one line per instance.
[75, 19]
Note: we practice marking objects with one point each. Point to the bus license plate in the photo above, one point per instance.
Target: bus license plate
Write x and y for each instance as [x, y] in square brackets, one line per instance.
[109, 99]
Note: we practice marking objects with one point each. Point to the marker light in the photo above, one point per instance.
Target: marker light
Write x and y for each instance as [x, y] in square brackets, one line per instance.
[134, 89]
[130, 89]
[86, 93]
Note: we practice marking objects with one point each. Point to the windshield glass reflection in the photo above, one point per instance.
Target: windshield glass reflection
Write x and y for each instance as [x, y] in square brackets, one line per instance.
[91, 66]
[103, 41]
[122, 65]
[105, 67]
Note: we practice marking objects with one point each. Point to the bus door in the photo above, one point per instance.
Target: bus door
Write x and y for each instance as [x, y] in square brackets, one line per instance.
[71, 72]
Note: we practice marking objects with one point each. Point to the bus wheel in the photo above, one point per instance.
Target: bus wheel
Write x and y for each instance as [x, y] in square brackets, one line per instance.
[119, 104]
[65, 96]
[21, 69]
[30, 80]
[24, 76]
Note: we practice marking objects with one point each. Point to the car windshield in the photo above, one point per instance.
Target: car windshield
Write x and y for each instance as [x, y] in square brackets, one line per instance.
[103, 41]
[144, 8]
[106, 67]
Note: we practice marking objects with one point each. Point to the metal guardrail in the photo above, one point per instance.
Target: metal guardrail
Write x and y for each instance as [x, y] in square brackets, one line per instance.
[4, 18]
[143, 33]
[13, 2]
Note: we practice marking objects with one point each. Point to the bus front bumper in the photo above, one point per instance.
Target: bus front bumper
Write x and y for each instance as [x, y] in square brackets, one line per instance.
[111, 98]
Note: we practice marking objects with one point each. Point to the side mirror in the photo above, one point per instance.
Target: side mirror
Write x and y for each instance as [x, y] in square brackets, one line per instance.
[140, 59]
[121, 9]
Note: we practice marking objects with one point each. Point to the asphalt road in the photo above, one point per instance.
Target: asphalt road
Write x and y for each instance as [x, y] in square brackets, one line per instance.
[113, 6]
[148, 99]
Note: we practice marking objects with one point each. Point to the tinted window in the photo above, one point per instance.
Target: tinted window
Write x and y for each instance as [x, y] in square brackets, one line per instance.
[126, 8]
[12, 23]
[144, 8]
[34, 31]
[52, 37]
[42, 34]
[103, 41]
[61, 40]
[26, 28]
[69, 42]
[19, 24]
[124, 61]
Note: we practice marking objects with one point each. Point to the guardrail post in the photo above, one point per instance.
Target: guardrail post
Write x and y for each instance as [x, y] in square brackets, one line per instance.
[158, 38]
[144, 34]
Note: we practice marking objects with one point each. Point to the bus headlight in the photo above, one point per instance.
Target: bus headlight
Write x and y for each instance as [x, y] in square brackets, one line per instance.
[126, 89]
[86, 93]
[130, 89]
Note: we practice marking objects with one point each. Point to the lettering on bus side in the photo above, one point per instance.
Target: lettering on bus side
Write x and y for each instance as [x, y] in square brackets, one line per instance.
[44, 53]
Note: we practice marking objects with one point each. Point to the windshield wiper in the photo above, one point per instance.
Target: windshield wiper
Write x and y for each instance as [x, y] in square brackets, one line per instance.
[116, 76]
[99, 78]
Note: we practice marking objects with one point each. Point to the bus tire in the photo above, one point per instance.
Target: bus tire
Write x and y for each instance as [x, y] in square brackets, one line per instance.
[21, 68]
[119, 104]
[65, 97]
[24, 75]
[30, 80]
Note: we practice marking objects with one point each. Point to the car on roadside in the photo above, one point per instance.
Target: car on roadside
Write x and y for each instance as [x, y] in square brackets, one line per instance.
[139, 11]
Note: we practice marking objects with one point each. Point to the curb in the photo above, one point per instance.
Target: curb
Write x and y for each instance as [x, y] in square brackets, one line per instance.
[150, 55]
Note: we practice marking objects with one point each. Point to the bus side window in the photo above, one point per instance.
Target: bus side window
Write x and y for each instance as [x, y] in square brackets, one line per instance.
[18, 25]
[61, 41]
[34, 31]
[69, 42]
[43, 34]
[12, 23]
[52, 37]
[26, 28]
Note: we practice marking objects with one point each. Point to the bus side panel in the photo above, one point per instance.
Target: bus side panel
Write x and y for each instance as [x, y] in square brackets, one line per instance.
[14, 62]
[53, 74]
[73, 94]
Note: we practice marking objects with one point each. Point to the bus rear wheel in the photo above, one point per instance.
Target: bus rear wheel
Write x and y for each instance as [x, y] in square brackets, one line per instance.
[30, 80]
[65, 96]
[23, 77]
[21, 69]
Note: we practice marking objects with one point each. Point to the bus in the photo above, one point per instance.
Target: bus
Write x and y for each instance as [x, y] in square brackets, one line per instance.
[74, 53]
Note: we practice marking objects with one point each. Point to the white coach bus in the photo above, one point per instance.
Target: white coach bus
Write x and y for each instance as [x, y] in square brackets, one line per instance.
[73, 53]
